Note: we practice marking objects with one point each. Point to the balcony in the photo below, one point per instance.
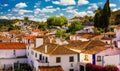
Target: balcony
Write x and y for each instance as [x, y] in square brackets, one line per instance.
[42, 63]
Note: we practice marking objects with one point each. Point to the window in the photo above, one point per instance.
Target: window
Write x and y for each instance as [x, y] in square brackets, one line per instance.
[32, 52]
[40, 56]
[46, 60]
[14, 52]
[28, 48]
[98, 58]
[36, 55]
[28, 53]
[71, 70]
[71, 59]
[58, 59]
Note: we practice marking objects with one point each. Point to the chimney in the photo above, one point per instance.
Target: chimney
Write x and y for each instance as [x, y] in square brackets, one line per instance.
[39, 42]
[46, 48]
[51, 39]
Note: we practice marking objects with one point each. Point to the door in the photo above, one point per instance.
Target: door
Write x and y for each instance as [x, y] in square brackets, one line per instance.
[93, 59]
[81, 68]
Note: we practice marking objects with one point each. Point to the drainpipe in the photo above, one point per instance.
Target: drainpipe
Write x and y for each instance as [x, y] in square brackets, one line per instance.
[102, 60]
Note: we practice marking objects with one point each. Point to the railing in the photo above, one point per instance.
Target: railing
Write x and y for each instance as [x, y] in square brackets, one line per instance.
[42, 63]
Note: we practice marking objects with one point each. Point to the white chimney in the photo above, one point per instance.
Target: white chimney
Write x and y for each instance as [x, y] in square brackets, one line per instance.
[39, 42]
[51, 39]
[46, 48]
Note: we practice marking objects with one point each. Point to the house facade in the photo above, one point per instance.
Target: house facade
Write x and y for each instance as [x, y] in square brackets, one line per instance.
[12, 53]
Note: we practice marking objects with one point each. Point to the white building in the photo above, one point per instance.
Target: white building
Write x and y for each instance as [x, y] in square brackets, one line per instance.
[11, 53]
[54, 55]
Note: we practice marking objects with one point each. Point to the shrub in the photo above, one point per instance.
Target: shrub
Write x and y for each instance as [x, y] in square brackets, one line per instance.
[91, 67]
[110, 68]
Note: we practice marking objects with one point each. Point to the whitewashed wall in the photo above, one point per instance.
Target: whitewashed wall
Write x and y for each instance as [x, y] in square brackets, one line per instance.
[118, 43]
[114, 60]
[117, 31]
[66, 65]
[9, 53]
[10, 62]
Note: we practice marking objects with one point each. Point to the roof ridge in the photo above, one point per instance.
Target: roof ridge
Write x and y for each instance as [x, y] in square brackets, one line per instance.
[53, 50]
[87, 44]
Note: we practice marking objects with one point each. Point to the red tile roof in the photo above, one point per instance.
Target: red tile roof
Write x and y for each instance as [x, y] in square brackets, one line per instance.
[54, 49]
[29, 37]
[12, 45]
[37, 30]
[118, 27]
[51, 68]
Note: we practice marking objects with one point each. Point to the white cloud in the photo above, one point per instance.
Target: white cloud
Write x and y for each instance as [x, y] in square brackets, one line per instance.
[57, 8]
[5, 5]
[68, 8]
[93, 7]
[3, 17]
[1, 12]
[45, 10]
[81, 14]
[48, 9]
[9, 10]
[65, 2]
[36, 11]
[90, 13]
[55, 2]
[82, 2]
[61, 14]
[41, 14]
[100, 3]
[47, 0]
[21, 5]
[115, 9]
[75, 13]
[113, 5]
[21, 11]
[37, 4]
[38, 19]
[49, 6]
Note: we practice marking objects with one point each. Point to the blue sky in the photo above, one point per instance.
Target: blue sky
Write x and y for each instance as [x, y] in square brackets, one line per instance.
[40, 10]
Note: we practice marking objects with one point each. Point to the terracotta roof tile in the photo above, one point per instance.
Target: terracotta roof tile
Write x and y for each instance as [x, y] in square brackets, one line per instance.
[85, 46]
[54, 49]
[37, 30]
[30, 37]
[95, 50]
[118, 27]
[12, 45]
[51, 68]
[110, 33]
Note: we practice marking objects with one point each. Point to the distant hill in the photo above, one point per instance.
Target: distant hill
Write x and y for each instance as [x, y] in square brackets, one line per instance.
[113, 17]
[116, 13]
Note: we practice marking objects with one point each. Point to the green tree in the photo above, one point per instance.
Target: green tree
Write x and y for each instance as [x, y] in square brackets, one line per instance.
[50, 21]
[97, 18]
[11, 27]
[106, 13]
[75, 26]
[60, 33]
[102, 17]
[56, 21]
[42, 25]
[117, 19]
